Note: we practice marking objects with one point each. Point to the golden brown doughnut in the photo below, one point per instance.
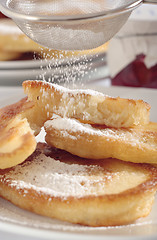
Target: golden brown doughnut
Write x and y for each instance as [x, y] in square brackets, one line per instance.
[56, 184]
[86, 105]
[137, 145]
[17, 140]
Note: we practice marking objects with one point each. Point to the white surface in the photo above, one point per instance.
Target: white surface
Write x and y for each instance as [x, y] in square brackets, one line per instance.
[25, 64]
[17, 76]
[19, 224]
[15, 72]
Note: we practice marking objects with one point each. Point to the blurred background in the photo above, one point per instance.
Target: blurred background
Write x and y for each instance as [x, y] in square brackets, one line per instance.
[132, 55]
[22, 59]
[129, 59]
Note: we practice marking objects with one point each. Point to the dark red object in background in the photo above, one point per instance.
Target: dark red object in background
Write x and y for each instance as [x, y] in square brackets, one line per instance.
[136, 74]
[2, 16]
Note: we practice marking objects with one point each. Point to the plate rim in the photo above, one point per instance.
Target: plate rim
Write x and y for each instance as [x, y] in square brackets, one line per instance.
[37, 63]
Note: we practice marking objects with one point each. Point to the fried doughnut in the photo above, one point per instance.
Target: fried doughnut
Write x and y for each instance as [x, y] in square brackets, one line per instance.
[137, 145]
[89, 192]
[87, 105]
[17, 140]
[6, 56]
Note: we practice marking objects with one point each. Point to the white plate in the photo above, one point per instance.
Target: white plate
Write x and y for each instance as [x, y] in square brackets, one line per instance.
[17, 76]
[28, 64]
[25, 64]
[15, 72]
[16, 223]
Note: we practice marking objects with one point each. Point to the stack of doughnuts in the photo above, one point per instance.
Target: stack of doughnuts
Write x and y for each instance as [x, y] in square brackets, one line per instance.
[96, 165]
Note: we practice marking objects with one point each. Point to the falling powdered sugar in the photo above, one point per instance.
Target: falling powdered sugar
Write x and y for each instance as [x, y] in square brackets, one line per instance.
[72, 67]
[65, 67]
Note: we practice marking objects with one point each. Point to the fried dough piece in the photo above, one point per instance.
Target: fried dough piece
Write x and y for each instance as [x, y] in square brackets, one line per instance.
[6, 56]
[89, 192]
[87, 105]
[17, 140]
[137, 145]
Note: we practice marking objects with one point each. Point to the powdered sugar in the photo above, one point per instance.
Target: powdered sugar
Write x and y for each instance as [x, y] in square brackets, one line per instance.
[72, 125]
[68, 126]
[65, 90]
[68, 177]
[55, 178]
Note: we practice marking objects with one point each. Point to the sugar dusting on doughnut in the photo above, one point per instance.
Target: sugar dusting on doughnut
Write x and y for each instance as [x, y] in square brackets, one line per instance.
[55, 178]
[67, 125]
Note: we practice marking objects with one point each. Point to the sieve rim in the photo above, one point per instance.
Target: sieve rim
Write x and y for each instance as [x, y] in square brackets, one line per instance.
[66, 19]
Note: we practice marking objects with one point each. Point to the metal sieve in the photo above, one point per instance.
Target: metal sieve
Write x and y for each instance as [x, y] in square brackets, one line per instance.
[70, 24]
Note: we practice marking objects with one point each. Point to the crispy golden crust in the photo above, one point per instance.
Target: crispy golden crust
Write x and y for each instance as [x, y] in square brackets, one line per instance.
[97, 209]
[85, 105]
[10, 111]
[54, 183]
[138, 144]
[17, 140]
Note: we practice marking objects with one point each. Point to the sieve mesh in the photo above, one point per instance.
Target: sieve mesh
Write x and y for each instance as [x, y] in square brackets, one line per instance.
[70, 25]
